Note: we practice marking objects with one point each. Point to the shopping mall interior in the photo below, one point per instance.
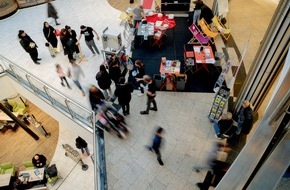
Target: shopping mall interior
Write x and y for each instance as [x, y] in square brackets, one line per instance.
[189, 134]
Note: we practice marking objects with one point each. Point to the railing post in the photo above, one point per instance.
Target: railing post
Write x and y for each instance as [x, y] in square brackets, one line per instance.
[48, 95]
[70, 111]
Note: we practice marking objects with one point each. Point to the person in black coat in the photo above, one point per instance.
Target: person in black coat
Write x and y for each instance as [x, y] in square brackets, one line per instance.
[83, 145]
[96, 96]
[29, 46]
[139, 73]
[245, 118]
[123, 92]
[49, 34]
[115, 72]
[104, 81]
[39, 161]
[72, 35]
[68, 44]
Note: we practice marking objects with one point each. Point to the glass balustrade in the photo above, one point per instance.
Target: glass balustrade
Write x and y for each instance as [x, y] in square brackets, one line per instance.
[68, 107]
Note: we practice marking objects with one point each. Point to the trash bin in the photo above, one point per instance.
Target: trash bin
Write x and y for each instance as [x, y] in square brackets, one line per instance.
[180, 83]
[158, 80]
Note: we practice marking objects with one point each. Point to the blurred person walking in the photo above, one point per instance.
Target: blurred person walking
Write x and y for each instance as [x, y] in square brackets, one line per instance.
[156, 144]
[51, 12]
[61, 75]
[96, 97]
[74, 72]
[29, 46]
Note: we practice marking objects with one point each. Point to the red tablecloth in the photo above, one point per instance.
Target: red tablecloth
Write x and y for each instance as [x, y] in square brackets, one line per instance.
[154, 18]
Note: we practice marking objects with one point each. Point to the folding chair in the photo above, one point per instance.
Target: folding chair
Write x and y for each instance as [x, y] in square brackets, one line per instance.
[157, 38]
[198, 36]
[225, 32]
[207, 30]
[188, 57]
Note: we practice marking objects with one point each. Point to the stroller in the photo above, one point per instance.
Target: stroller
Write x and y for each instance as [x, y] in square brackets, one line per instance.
[110, 118]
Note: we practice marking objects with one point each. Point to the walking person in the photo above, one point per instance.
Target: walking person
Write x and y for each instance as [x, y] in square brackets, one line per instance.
[83, 145]
[137, 15]
[197, 11]
[151, 93]
[245, 118]
[72, 35]
[61, 75]
[156, 144]
[29, 46]
[89, 38]
[68, 45]
[51, 12]
[96, 97]
[104, 81]
[123, 92]
[49, 34]
[74, 72]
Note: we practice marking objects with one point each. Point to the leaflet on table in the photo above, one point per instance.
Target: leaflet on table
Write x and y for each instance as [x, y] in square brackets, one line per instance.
[158, 23]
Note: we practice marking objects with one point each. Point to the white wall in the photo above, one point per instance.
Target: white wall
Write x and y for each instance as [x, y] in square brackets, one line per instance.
[63, 120]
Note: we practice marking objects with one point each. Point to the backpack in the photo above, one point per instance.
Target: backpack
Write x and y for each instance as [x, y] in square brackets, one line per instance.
[51, 171]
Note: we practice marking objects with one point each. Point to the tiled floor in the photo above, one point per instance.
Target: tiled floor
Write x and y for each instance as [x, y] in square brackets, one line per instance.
[189, 135]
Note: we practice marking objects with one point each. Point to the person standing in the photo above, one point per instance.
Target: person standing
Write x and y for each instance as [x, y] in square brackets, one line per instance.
[89, 38]
[68, 44]
[123, 92]
[151, 93]
[138, 73]
[72, 35]
[29, 46]
[104, 81]
[49, 34]
[39, 161]
[137, 15]
[74, 72]
[197, 11]
[83, 145]
[51, 12]
[223, 125]
[61, 75]
[156, 144]
[245, 118]
[115, 72]
[96, 97]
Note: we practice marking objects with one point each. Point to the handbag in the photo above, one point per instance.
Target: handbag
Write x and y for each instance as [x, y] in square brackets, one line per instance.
[57, 32]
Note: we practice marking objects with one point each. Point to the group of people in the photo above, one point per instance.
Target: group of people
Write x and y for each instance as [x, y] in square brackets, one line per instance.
[224, 127]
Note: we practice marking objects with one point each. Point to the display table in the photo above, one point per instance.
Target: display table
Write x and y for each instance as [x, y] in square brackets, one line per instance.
[162, 22]
[169, 68]
[7, 7]
[34, 175]
[203, 55]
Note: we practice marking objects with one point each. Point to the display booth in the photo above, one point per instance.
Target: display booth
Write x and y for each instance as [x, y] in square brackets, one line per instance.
[7, 8]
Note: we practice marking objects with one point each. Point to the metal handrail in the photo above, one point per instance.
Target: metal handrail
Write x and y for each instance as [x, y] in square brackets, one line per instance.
[47, 87]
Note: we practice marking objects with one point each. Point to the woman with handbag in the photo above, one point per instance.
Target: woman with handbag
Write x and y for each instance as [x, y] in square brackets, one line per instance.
[68, 44]
[50, 35]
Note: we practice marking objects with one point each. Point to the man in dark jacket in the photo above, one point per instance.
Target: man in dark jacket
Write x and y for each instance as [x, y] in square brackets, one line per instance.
[51, 12]
[29, 46]
[39, 161]
[123, 92]
[245, 118]
[104, 81]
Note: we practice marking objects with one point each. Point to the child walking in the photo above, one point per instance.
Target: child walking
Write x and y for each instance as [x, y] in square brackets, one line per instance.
[50, 49]
[61, 75]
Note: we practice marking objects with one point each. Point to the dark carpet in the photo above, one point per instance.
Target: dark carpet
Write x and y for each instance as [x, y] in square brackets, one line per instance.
[172, 49]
